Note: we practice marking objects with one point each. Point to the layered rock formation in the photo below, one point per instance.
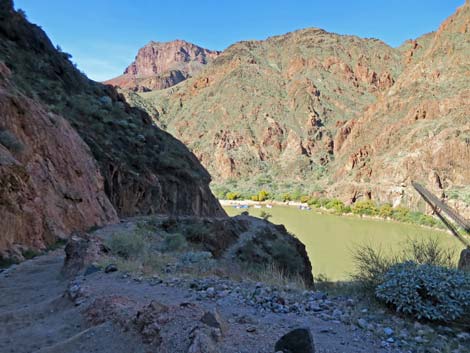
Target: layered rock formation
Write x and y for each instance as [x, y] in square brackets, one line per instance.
[50, 184]
[162, 65]
[73, 154]
[352, 117]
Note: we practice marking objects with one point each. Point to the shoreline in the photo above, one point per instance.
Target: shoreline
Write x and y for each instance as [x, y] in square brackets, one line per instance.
[321, 210]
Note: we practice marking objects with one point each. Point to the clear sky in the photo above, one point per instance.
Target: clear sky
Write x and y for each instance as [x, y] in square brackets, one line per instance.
[103, 36]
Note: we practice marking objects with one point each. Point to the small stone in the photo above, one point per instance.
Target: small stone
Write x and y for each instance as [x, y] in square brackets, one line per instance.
[251, 329]
[362, 323]
[296, 341]
[110, 268]
[390, 340]
[210, 291]
[213, 319]
[388, 331]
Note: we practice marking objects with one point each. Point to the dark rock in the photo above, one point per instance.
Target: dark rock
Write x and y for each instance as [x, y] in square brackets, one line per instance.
[213, 319]
[110, 268]
[464, 261]
[296, 341]
[91, 269]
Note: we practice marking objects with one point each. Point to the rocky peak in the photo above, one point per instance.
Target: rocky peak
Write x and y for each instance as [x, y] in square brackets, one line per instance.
[161, 65]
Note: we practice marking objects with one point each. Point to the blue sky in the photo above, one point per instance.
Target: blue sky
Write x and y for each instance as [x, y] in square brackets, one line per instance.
[103, 36]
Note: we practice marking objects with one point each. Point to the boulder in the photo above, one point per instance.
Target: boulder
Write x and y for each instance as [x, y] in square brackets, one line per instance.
[299, 340]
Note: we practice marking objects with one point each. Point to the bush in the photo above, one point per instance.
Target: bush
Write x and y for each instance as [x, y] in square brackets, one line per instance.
[127, 245]
[371, 263]
[336, 205]
[10, 141]
[304, 198]
[174, 242]
[285, 197]
[233, 195]
[385, 210]
[366, 207]
[263, 195]
[426, 291]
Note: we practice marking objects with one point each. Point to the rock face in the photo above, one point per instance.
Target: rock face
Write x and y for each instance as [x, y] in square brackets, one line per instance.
[162, 65]
[350, 116]
[50, 184]
[74, 154]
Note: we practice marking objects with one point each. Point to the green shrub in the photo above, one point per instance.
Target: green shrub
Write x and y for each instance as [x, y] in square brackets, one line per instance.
[371, 263]
[263, 195]
[366, 207]
[232, 195]
[304, 199]
[386, 210]
[400, 214]
[127, 245]
[336, 205]
[285, 197]
[174, 242]
[10, 141]
[254, 198]
[426, 291]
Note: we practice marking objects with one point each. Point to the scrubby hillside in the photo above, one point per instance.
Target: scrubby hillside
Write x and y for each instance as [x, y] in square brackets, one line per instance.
[74, 154]
[325, 112]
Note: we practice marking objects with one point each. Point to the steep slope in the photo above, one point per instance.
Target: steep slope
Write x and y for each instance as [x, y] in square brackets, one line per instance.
[321, 112]
[420, 129]
[50, 184]
[271, 107]
[73, 153]
[162, 65]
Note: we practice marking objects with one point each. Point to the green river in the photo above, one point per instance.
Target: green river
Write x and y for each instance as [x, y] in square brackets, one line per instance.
[329, 239]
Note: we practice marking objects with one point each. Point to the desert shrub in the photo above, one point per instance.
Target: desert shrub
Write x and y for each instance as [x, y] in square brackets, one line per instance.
[385, 210]
[371, 262]
[263, 195]
[10, 141]
[174, 242]
[366, 207]
[254, 198]
[426, 291]
[336, 205]
[232, 195]
[286, 197]
[127, 245]
[400, 214]
[304, 198]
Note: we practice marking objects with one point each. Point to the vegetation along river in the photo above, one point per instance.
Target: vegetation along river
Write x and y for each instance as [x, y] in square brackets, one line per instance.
[329, 239]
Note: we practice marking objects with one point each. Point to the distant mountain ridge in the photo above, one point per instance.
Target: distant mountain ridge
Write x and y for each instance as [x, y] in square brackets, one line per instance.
[160, 65]
[330, 114]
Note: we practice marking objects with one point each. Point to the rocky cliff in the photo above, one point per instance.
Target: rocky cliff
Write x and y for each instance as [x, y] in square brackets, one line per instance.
[351, 117]
[162, 65]
[74, 154]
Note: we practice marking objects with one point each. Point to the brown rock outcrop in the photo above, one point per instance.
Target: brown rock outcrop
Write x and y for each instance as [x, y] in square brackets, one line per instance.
[162, 65]
[50, 184]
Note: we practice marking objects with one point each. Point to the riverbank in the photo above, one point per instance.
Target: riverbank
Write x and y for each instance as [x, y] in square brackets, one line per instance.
[324, 210]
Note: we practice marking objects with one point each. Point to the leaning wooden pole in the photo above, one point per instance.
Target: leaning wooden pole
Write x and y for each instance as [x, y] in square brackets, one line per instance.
[438, 206]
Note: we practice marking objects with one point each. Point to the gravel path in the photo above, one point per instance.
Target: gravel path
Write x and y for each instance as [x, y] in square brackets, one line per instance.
[36, 316]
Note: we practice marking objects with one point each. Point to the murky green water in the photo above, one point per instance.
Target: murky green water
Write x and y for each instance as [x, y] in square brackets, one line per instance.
[329, 239]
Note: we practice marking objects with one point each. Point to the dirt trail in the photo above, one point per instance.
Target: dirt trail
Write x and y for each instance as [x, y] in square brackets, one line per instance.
[35, 316]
